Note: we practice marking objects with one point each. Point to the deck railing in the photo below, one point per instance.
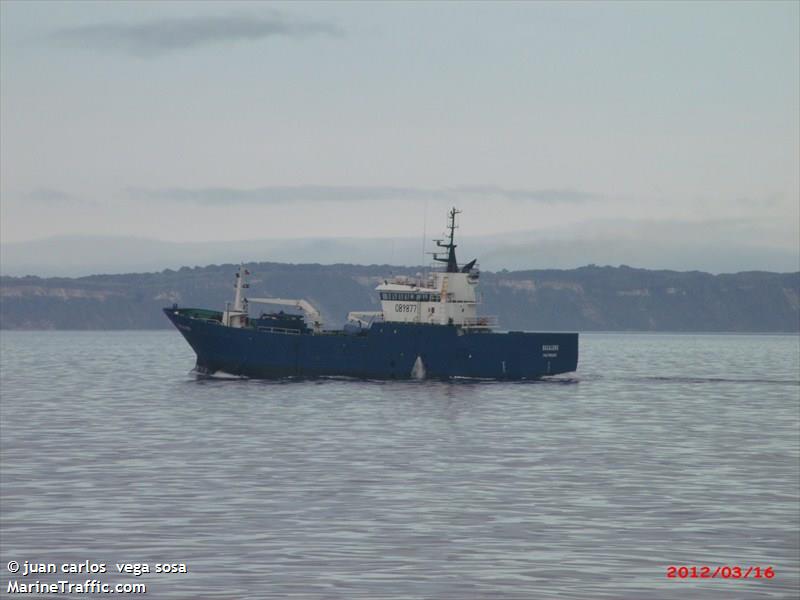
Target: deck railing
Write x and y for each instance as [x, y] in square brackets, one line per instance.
[482, 322]
[279, 330]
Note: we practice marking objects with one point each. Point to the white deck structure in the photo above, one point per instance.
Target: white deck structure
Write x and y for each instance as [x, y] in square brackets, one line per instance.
[447, 297]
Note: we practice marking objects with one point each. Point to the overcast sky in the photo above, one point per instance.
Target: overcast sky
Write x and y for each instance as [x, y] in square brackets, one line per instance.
[231, 121]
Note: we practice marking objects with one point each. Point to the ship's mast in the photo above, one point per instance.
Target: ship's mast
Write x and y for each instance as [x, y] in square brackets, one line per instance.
[452, 263]
[452, 225]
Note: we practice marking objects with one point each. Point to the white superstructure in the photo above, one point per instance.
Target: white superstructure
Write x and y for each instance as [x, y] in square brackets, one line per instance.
[447, 297]
[439, 299]
[443, 297]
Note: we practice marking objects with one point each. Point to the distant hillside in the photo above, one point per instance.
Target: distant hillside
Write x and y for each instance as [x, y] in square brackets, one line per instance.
[663, 245]
[585, 299]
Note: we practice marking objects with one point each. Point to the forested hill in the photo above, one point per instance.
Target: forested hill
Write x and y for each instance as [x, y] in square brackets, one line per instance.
[585, 299]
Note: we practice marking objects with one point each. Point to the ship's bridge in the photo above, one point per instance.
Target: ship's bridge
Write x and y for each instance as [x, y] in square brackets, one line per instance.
[446, 297]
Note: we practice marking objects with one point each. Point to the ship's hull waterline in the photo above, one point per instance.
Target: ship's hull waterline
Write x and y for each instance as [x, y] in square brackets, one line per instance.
[384, 351]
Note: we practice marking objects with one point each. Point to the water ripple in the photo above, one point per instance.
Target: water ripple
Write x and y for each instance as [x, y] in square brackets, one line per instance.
[661, 450]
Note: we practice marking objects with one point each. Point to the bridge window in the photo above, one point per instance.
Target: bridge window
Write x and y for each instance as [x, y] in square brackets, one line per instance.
[410, 297]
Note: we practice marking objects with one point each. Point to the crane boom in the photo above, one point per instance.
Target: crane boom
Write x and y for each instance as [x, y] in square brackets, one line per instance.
[304, 305]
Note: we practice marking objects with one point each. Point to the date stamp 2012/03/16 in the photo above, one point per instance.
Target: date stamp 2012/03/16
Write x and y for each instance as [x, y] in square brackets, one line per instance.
[719, 572]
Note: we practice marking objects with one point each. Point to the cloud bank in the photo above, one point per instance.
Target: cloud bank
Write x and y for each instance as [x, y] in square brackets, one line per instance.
[210, 196]
[49, 196]
[162, 36]
[721, 246]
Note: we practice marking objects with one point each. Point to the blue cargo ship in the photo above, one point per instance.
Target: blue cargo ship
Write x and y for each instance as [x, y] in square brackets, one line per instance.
[429, 327]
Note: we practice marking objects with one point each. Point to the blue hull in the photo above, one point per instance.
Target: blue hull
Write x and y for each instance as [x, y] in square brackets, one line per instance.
[385, 351]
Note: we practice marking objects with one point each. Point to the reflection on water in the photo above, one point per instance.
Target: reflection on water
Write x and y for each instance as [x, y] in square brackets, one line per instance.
[662, 450]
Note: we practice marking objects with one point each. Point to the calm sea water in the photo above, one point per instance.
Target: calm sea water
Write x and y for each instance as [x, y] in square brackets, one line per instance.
[661, 450]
